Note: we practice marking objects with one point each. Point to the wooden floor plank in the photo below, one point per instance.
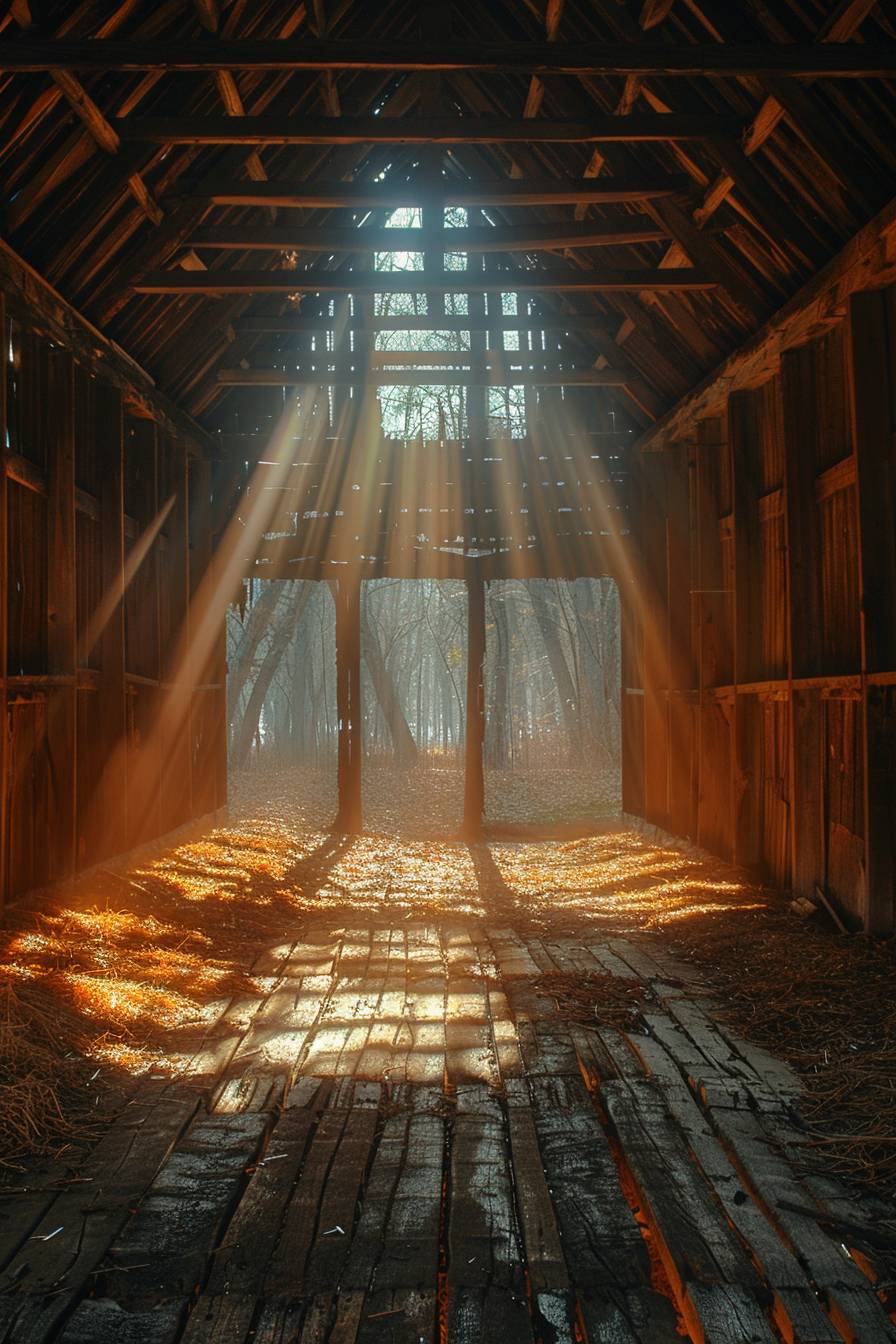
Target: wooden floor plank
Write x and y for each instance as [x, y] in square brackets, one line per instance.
[795, 1306]
[852, 1302]
[74, 1235]
[605, 1252]
[228, 1300]
[486, 1285]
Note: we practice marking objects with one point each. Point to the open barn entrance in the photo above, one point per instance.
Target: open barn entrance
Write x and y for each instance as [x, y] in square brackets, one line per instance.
[413, 703]
[552, 730]
[281, 696]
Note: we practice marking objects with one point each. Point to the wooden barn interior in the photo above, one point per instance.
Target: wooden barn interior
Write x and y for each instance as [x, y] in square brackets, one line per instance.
[270, 1069]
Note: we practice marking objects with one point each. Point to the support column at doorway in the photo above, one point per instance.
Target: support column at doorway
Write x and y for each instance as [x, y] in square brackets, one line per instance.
[474, 783]
[348, 703]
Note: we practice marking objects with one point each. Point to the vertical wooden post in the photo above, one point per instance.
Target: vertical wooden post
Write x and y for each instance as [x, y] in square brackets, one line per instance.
[803, 617]
[110, 805]
[631, 634]
[680, 715]
[872, 331]
[204, 791]
[176, 753]
[653, 600]
[4, 619]
[474, 739]
[62, 656]
[713, 646]
[348, 703]
[743, 433]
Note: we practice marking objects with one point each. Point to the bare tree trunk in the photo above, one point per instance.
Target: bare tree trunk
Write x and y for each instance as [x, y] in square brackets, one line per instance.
[284, 629]
[496, 746]
[403, 743]
[255, 628]
[557, 660]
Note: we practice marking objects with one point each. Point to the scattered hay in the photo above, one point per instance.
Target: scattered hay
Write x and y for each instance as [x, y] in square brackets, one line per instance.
[594, 997]
[823, 1001]
[45, 1103]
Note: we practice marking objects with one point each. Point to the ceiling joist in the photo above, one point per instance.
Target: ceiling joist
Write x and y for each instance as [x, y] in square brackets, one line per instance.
[833, 60]
[507, 238]
[496, 193]
[405, 282]
[269, 130]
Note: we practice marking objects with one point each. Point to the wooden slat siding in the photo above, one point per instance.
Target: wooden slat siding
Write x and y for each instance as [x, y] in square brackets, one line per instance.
[799, 401]
[202, 720]
[632, 707]
[774, 804]
[679, 707]
[838, 527]
[62, 655]
[32, 299]
[844, 804]
[745, 438]
[109, 800]
[714, 651]
[872, 331]
[654, 598]
[772, 553]
[174, 591]
[142, 649]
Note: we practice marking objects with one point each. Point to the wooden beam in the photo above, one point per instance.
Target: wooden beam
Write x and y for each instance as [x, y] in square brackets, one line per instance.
[474, 736]
[270, 130]
[700, 249]
[653, 12]
[690, 59]
[34, 301]
[348, 702]
[500, 376]
[62, 656]
[5, 752]
[371, 282]
[494, 192]
[872, 319]
[107, 810]
[261, 324]
[862, 263]
[510, 238]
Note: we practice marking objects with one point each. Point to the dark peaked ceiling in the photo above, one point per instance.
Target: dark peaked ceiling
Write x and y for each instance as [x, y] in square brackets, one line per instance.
[751, 175]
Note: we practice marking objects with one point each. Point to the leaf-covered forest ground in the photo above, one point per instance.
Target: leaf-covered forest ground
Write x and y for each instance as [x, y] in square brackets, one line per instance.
[426, 800]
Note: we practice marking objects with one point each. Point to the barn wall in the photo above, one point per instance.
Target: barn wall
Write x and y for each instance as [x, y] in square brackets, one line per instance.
[86, 656]
[761, 627]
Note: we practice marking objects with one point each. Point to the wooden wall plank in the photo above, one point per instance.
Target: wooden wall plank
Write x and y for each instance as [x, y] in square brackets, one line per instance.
[112, 792]
[872, 332]
[62, 658]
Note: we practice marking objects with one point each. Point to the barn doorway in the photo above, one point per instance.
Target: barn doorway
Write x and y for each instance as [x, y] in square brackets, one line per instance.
[281, 698]
[413, 704]
[552, 702]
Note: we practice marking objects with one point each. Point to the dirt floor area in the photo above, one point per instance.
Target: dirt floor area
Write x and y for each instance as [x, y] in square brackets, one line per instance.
[275, 1084]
